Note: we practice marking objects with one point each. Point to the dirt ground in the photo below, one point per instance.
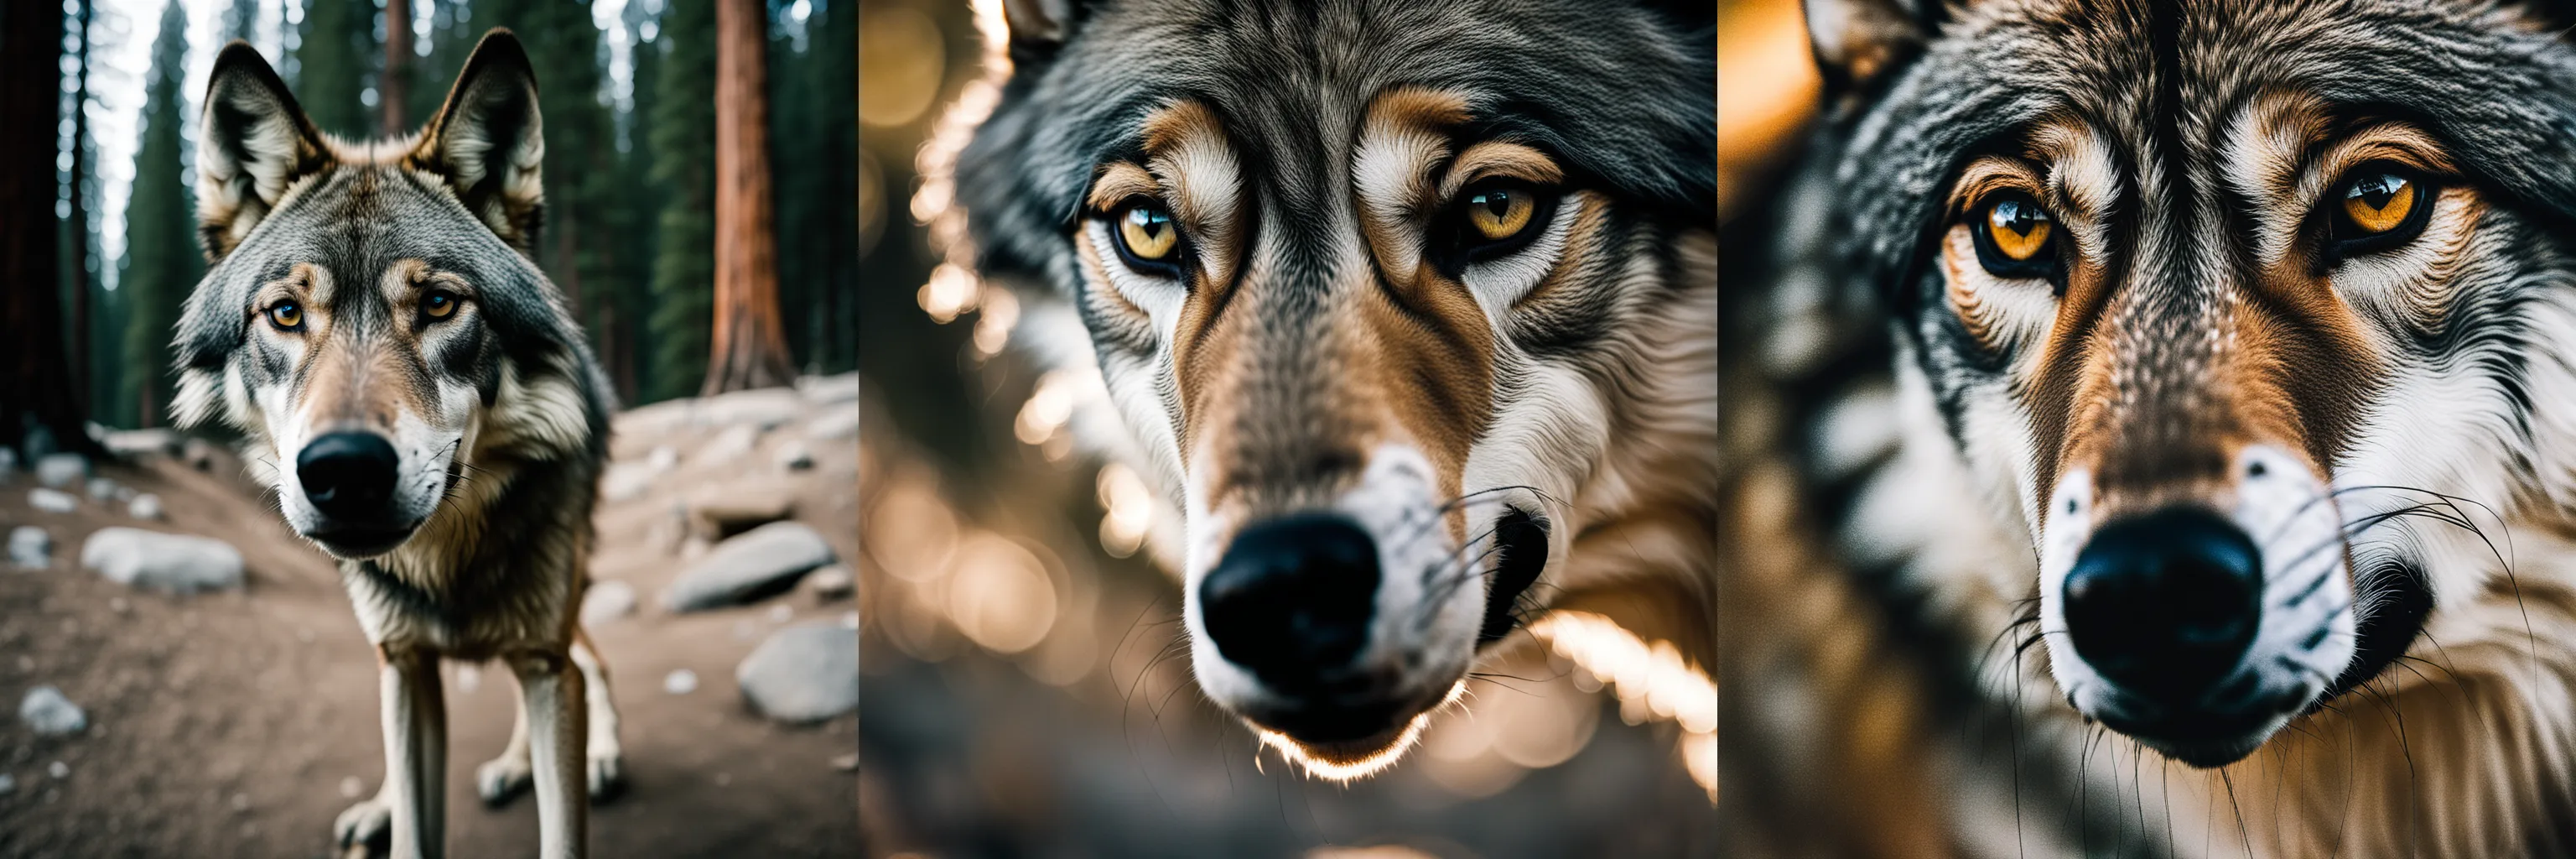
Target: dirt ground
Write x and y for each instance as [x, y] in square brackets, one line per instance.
[240, 724]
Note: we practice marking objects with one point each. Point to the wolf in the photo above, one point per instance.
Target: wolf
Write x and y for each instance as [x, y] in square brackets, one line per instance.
[426, 412]
[2218, 500]
[1408, 309]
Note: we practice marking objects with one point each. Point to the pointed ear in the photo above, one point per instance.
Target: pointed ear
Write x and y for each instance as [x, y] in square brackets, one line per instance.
[1857, 41]
[254, 144]
[488, 141]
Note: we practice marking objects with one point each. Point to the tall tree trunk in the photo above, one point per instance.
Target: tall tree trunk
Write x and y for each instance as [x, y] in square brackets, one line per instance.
[750, 340]
[77, 370]
[33, 392]
[393, 89]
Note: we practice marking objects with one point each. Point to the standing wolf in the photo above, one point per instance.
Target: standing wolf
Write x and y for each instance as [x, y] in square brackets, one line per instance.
[428, 413]
[1409, 307]
[2233, 505]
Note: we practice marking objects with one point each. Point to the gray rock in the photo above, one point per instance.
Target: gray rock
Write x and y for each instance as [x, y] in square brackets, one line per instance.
[31, 548]
[146, 506]
[625, 480]
[8, 784]
[59, 470]
[198, 453]
[655, 419]
[177, 563]
[680, 681]
[52, 500]
[760, 408]
[141, 442]
[607, 601]
[765, 559]
[102, 489]
[840, 423]
[831, 583]
[793, 456]
[50, 714]
[663, 457]
[806, 673]
[739, 505]
[8, 464]
[727, 446]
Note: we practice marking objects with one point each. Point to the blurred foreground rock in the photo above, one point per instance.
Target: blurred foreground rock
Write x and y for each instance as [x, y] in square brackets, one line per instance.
[59, 470]
[52, 500]
[606, 601]
[805, 673]
[50, 714]
[759, 562]
[176, 563]
[31, 548]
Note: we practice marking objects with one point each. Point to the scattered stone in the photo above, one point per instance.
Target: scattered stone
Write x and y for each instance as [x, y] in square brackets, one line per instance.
[846, 763]
[126, 493]
[58, 770]
[763, 560]
[8, 784]
[102, 489]
[654, 419]
[806, 673]
[840, 423]
[8, 464]
[31, 548]
[59, 470]
[735, 507]
[728, 445]
[761, 408]
[241, 801]
[198, 453]
[350, 787]
[663, 457]
[138, 443]
[793, 456]
[146, 506]
[607, 601]
[832, 583]
[680, 681]
[826, 390]
[52, 500]
[50, 714]
[177, 563]
[625, 480]
[119, 605]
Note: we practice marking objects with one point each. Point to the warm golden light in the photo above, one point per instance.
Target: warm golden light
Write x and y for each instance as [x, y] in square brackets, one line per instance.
[1131, 510]
[1651, 681]
[999, 595]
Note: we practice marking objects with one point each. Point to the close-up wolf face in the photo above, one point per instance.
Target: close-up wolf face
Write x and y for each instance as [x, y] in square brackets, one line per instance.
[1398, 297]
[2228, 308]
[354, 323]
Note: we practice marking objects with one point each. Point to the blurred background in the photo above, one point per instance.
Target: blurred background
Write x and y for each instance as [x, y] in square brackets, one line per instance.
[1027, 691]
[236, 715]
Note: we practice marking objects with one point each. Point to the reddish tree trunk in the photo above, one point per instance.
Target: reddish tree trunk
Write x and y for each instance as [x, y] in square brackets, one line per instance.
[34, 390]
[750, 340]
[393, 88]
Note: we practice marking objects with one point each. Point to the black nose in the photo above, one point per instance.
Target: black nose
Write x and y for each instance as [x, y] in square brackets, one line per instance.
[2165, 604]
[1292, 599]
[347, 475]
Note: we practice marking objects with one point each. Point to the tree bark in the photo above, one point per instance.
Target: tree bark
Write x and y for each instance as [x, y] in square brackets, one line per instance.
[393, 91]
[749, 348]
[34, 392]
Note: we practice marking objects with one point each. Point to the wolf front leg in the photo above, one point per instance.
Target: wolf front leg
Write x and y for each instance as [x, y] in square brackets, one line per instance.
[550, 690]
[415, 721]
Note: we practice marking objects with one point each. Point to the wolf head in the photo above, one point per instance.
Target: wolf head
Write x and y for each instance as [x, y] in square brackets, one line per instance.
[2226, 306]
[1379, 285]
[371, 304]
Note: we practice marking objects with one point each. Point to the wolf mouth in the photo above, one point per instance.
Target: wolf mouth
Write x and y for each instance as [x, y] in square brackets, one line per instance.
[361, 541]
[1522, 540]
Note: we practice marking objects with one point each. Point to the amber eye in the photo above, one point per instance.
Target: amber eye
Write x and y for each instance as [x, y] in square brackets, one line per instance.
[2379, 202]
[1500, 213]
[286, 315]
[2014, 235]
[438, 305]
[1146, 233]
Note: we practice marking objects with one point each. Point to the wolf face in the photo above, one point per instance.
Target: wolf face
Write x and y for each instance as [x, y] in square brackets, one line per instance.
[368, 307]
[1383, 288]
[2226, 306]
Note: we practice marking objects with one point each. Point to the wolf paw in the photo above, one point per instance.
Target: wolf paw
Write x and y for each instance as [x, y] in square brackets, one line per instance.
[368, 824]
[501, 779]
[607, 775]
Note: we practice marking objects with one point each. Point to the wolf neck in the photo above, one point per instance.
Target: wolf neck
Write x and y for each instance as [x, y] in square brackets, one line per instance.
[529, 468]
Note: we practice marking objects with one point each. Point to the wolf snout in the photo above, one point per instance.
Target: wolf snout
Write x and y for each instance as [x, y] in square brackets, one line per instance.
[2165, 604]
[1292, 599]
[348, 475]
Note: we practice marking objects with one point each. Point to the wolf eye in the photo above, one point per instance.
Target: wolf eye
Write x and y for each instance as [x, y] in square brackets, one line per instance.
[1147, 236]
[1500, 213]
[1496, 218]
[438, 305]
[2015, 237]
[286, 315]
[2380, 206]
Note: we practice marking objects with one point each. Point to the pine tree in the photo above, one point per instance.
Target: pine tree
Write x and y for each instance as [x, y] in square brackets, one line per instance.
[815, 121]
[683, 141]
[241, 20]
[161, 262]
[336, 60]
[750, 336]
[33, 397]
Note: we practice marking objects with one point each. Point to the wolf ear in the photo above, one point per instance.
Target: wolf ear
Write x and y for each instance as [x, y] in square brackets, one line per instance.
[488, 141]
[1857, 41]
[256, 144]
